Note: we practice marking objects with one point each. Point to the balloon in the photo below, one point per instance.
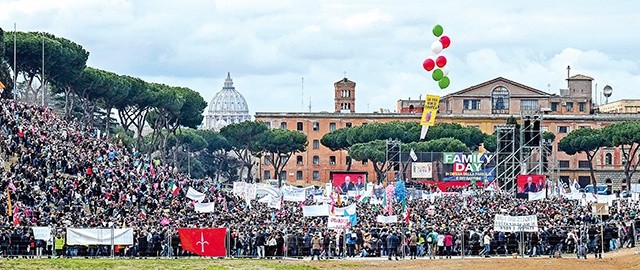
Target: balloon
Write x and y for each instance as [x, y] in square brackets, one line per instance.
[437, 30]
[428, 64]
[437, 74]
[445, 71]
[445, 41]
[441, 61]
[436, 47]
[444, 82]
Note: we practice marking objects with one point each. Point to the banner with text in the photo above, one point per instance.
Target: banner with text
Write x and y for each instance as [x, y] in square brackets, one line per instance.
[504, 223]
[422, 170]
[468, 166]
[99, 236]
[387, 219]
[338, 223]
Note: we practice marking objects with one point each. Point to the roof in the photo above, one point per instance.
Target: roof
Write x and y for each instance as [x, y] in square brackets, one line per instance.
[499, 79]
[580, 77]
[344, 80]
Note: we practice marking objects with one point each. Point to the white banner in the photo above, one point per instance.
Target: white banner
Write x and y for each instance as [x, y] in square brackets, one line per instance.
[41, 233]
[195, 195]
[315, 211]
[271, 202]
[293, 194]
[238, 188]
[422, 170]
[204, 207]
[540, 195]
[504, 223]
[387, 219]
[99, 236]
[249, 192]
[338, 223]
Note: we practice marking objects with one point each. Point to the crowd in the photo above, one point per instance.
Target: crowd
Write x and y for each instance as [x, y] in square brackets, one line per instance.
[62, 174]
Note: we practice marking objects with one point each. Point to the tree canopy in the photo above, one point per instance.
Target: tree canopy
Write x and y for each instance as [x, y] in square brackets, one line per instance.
[625, 135]
[584, 140]
[279, 145]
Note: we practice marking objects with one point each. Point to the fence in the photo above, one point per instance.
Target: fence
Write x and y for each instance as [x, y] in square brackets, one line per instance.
[370, 242]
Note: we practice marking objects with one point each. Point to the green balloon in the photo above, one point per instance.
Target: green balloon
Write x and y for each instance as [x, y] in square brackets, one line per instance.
[444, 82]
[437, 30]
[437, 74]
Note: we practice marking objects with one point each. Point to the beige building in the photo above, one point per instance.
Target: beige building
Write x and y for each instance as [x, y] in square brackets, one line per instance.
[621, 106]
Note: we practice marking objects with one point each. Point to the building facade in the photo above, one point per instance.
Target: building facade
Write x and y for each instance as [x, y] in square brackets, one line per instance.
[484, 106]
[621, 106]
[228, 106]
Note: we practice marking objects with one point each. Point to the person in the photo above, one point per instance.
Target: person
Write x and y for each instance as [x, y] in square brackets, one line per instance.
[413, 243]
[487, 243]
[316, 246]
[360, 183]
[448, 244]
[530, 186]
[260, 242]
[347, 185]
[392, 245]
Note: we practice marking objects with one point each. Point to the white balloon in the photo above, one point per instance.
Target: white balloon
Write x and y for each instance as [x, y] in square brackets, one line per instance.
[445, 71]
[436, 47]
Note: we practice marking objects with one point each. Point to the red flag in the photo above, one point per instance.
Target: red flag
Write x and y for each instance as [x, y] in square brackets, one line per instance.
[16, 216]
[204, 242]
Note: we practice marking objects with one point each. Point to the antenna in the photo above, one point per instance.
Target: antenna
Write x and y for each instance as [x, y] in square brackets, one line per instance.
[302, 100]
[345, 74]
[309, 104]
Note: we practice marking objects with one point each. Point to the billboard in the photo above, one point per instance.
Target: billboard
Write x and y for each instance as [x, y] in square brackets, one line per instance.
[429, 111]
[423, 170]
[474, 166]
[344, 182]
[530, 183]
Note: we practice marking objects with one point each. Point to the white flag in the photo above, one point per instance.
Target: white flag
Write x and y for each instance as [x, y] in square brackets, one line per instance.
[41, 233]
[204, 207]
[423, 132]
[195, 195]
[413, 155]
[387, 219]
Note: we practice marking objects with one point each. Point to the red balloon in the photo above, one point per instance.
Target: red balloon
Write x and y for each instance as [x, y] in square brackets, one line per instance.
[445, 41]
[441, 61]
[428, 64]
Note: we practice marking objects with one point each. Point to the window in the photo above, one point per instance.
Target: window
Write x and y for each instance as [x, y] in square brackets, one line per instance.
[365, 162]
[608, 159]
[316, 126]
[283, 175]
[316, 175]
[583, 164]
[283, 125]
[563, 163]
[569, 106]
[471, 104]
[316, 160]
[299, 160]
[348, 124]
[500, 99]
[332, 127]
[554, 106]
[268, 125]
[347, 160]
[529, 105]
[283, 159]
[316, 144]
[332, 160]
[563, 129]
[345, 93]
[267, 160]
[299, 126]
[267, 174]
[582, 106]
[299, 175]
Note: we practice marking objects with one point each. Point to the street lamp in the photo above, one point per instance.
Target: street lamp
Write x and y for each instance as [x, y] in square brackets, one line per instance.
[607, 91]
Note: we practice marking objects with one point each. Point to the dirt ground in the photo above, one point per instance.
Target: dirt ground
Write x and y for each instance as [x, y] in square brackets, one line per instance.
[625, 259]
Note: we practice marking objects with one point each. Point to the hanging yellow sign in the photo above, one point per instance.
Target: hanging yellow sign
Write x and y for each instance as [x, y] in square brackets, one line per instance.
[430, 109]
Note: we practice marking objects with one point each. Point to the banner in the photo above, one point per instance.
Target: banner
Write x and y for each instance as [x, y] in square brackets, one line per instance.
[41, 233]
[344, 182]
[351, 209]
[387, 219]
[540, 195]
[249, 192]
[204, 242]
[315, 211]
[293, 194]
[504, 223]
[204, 207]
[195, 195]
[422, 170]
[238, 188]
[338, 223]
[99, 236]
[429, 110]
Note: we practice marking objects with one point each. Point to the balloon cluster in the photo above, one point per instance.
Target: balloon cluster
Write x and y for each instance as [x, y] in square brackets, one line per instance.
[439, 74]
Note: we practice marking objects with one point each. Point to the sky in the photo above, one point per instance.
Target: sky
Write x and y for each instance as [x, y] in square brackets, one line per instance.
[269, 46]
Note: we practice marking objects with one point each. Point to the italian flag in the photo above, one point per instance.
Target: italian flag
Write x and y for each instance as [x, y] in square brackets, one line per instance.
[143, 213]
[174, 189]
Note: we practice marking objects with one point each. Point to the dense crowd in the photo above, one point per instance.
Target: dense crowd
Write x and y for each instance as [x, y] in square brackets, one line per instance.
[63, 174]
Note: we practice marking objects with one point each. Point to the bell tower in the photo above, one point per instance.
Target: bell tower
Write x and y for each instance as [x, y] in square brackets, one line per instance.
[345, 96]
